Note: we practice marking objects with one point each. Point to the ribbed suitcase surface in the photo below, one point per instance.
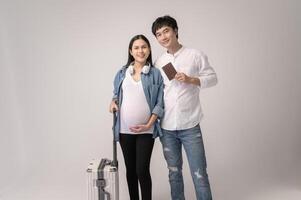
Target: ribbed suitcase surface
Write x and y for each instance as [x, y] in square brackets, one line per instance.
[103, 183]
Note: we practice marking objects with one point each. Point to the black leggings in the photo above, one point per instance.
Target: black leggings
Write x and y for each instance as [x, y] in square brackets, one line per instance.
[137, 150]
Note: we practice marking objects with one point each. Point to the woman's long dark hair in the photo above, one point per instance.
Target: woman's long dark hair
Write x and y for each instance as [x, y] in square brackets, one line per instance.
[131, 58]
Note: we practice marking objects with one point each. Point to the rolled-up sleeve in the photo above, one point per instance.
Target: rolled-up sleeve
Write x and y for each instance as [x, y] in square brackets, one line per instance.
[159, 107]
[115, 90]
[207, 74]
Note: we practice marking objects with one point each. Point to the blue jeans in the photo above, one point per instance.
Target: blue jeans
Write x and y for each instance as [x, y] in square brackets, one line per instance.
[193, 144]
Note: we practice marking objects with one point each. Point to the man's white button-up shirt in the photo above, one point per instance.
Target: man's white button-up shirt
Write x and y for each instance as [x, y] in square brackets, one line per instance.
[182, 108]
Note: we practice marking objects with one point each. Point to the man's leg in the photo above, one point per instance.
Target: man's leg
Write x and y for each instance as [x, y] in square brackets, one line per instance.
[172, 149]
[193, 144]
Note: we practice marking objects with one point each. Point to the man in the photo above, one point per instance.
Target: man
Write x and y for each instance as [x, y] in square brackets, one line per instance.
[183, 113]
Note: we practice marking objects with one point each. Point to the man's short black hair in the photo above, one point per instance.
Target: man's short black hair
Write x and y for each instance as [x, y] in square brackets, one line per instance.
[165, 21]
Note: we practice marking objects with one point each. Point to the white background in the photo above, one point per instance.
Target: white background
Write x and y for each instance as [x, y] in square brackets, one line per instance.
[57, 62]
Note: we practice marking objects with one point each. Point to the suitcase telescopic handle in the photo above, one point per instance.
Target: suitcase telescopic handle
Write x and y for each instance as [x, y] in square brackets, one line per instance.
[114, 162]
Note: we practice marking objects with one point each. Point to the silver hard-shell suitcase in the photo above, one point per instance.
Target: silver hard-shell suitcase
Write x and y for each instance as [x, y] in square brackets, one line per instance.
[102, 176]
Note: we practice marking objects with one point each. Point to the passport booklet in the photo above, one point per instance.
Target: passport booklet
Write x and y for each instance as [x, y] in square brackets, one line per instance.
[169, 70]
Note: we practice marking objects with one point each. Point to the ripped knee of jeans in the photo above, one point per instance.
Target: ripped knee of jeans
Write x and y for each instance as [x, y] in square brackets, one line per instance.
[202, 177]
[166, 149]
[173, 169]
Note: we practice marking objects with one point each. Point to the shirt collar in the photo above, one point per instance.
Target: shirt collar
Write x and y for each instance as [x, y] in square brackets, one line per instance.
[177, 53]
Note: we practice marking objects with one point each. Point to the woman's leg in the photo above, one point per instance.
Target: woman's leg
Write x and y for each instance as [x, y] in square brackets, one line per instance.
[128, 146]
[144, 148]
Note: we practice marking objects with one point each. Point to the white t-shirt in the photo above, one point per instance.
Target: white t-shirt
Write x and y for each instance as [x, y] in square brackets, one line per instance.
[134, 108]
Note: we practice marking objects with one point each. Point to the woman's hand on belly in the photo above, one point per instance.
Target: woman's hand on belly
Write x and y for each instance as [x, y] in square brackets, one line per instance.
[140, 128]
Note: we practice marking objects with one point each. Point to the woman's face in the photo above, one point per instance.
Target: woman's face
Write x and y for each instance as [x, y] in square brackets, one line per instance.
[140, 51]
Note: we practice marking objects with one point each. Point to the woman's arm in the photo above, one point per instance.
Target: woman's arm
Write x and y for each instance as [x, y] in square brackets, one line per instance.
[113, 106]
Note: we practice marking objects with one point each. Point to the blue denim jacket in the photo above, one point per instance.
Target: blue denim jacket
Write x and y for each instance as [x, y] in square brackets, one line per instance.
[152, 83]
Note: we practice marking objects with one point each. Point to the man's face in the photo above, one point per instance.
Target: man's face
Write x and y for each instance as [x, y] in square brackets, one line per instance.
[166, 37]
